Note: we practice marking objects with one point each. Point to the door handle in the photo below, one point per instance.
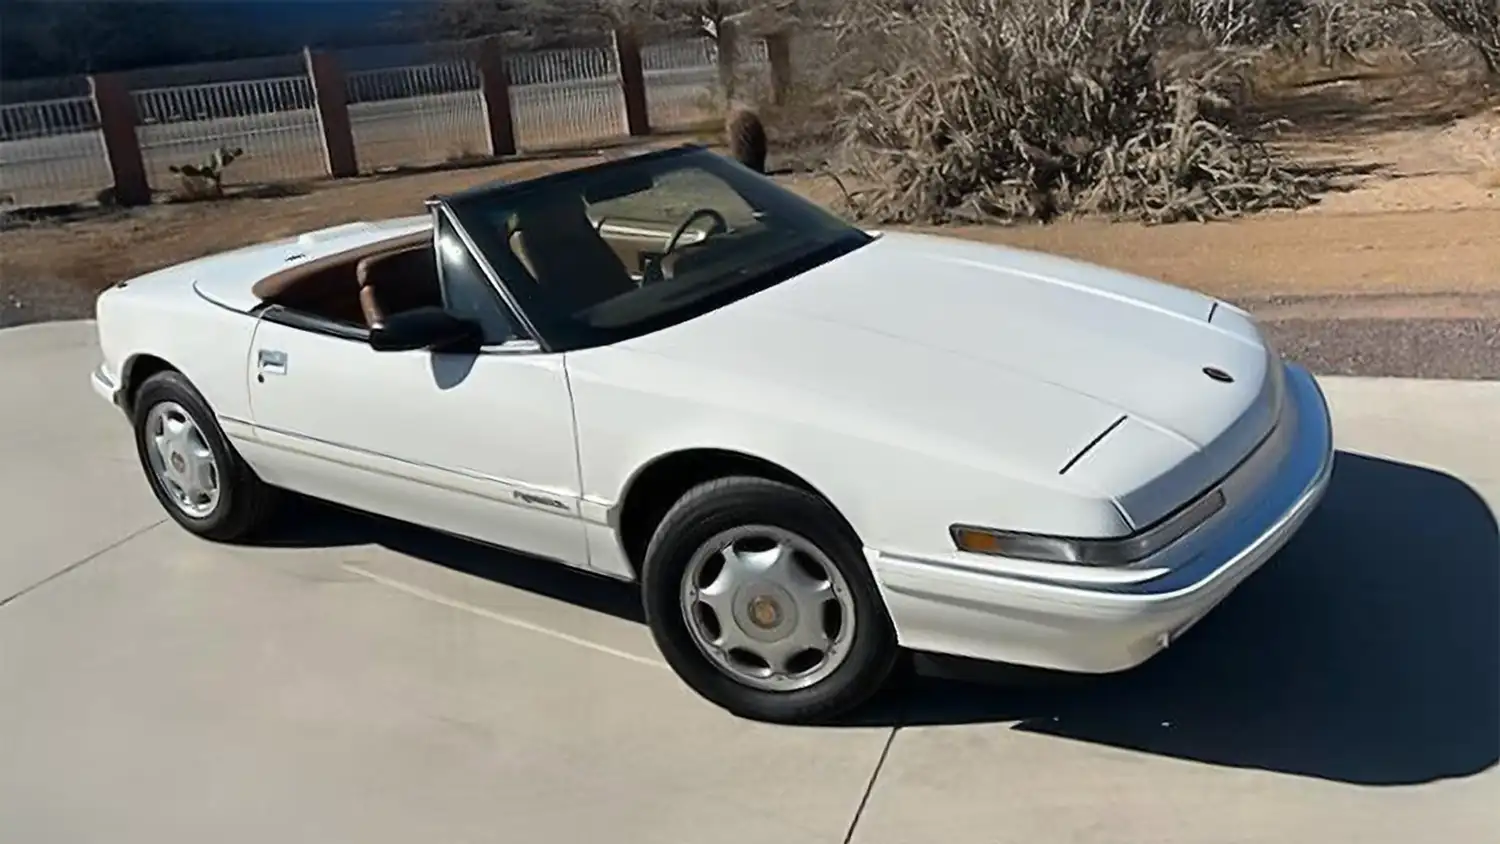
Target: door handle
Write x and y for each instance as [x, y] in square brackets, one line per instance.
[270, 362]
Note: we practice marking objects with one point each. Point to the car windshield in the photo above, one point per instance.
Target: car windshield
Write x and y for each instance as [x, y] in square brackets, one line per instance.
[598, 255]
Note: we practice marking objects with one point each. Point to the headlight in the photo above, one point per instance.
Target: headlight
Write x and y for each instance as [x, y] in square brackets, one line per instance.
[1120, 551]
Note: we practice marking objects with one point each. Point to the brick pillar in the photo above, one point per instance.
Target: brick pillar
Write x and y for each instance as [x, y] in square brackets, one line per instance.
[331, 97]
[494, 87]
[632, 82]
[779, 53]
[117, 121]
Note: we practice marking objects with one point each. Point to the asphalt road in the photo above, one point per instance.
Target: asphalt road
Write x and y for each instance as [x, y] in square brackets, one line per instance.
[354, 680]
[287, 145]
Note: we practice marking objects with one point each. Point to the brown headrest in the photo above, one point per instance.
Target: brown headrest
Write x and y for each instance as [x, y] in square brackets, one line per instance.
[272, 286]
[417, 255]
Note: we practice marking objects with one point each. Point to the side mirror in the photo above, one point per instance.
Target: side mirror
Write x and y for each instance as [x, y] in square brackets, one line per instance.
[426, 328]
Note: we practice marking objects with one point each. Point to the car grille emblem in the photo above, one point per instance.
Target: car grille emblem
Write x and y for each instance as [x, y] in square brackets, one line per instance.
[1218, 374]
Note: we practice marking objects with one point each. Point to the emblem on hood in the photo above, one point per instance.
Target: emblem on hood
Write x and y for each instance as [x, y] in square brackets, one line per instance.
[1218, 374]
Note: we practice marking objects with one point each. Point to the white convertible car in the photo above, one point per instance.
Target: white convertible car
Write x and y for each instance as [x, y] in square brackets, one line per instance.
[812, 446]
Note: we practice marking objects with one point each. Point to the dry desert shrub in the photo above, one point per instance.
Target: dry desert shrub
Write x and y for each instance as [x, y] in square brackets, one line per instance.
[1432, 33]
[999, 110]
[1474, 22]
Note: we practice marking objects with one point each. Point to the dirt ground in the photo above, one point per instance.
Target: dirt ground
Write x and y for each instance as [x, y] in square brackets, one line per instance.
[1423, 219]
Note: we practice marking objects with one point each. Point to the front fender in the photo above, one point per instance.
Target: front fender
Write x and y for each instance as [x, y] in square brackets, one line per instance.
[207, 343]
[899, 488]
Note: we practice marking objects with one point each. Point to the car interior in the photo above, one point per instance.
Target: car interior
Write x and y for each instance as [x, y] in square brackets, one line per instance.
[361, 287]
[578, 248]
[555, 241]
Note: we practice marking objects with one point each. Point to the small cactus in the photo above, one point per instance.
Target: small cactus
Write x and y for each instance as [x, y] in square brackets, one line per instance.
[747, 138]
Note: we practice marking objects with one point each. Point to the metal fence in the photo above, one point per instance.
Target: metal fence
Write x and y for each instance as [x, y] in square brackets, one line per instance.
[568, 97]
[51, 151]
[272, 121]
[416, 115]
[682, 79]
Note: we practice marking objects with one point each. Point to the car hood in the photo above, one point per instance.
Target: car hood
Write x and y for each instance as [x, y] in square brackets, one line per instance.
[1018, 358]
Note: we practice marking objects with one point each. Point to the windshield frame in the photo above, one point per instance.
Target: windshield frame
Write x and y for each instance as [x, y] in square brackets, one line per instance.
[473, 211]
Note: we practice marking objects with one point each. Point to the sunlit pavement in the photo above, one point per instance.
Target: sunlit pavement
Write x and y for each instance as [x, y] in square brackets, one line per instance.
[359, 681]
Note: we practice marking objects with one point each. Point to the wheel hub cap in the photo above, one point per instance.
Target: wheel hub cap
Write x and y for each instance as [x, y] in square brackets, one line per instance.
[181, 460]
[764, 612]
[768, 608]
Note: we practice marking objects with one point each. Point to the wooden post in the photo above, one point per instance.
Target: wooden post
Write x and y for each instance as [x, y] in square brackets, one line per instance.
[494, 87]
[117, 121]
[728, 42]
[331, 97]
[779, 54]
[632, 82]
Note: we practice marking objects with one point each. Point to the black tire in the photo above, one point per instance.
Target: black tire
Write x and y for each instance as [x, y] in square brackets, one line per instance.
[245, 502]
[713, 507]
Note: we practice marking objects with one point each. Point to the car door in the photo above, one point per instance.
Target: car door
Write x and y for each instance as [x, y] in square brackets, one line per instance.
[481, 445]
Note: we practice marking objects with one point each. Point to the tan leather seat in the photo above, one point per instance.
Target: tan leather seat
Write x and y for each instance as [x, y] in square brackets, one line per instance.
[562, 250]
[397, 281]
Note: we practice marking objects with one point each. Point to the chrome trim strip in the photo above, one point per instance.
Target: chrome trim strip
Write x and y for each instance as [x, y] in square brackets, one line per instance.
[220, 305]
[514, 493]
[496, 282]
[511, 347]
[105, 377]
[104, 385]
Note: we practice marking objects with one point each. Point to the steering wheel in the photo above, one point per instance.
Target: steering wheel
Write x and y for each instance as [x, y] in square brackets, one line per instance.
[721, 225]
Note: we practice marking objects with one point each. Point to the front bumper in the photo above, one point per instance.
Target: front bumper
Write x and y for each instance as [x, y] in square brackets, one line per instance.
[105, 385]
[1110, 626]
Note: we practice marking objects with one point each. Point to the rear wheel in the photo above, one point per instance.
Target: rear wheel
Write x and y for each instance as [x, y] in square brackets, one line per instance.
[195, 473]
[759, 597]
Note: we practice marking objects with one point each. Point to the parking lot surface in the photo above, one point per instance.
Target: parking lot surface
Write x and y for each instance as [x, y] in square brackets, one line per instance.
[354, 680]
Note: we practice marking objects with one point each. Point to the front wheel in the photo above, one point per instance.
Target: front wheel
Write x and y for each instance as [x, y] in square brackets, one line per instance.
[196, 474]
[759, 597]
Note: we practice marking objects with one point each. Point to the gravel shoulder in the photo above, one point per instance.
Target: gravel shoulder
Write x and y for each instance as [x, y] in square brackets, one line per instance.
[1461, 349]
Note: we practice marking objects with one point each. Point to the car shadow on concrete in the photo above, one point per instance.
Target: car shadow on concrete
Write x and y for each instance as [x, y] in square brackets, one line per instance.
[315, 524]
[1367, 651]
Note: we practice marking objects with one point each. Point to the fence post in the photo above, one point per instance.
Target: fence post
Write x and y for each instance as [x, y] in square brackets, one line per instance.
[728, 60]
[117, 121]
[494, 88]
[779, 55]
[331, 96]
[632, 81]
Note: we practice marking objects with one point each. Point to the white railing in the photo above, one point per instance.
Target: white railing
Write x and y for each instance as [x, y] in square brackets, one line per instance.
[272, 121]
[412, 116]
[51, 151]
[565, 97]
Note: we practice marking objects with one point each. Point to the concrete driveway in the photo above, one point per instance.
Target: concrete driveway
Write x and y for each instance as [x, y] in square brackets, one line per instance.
[358, 681]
